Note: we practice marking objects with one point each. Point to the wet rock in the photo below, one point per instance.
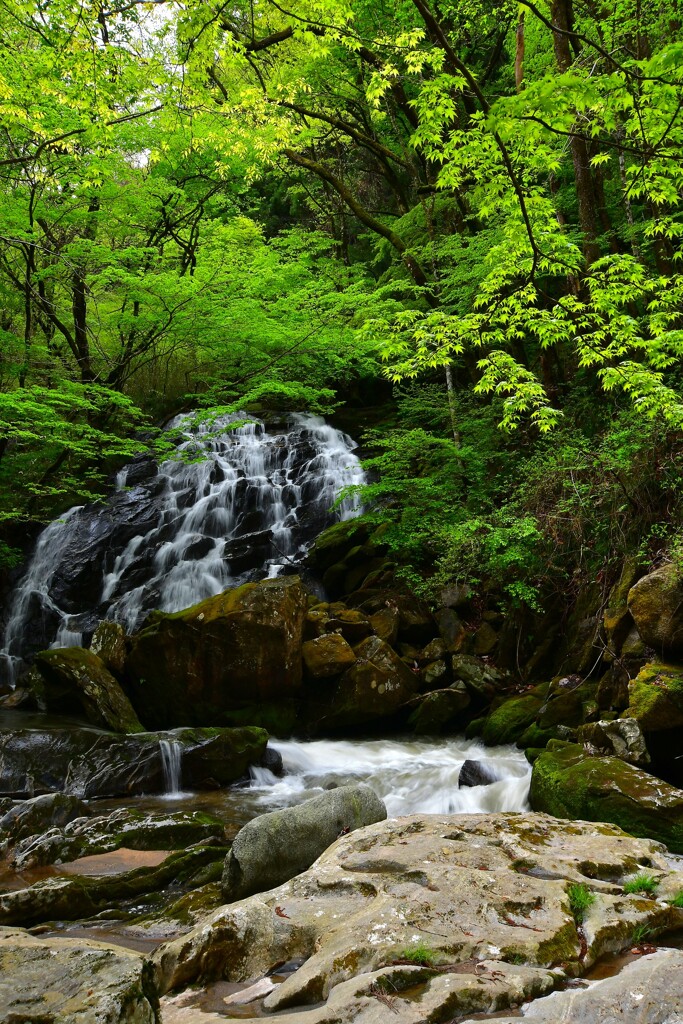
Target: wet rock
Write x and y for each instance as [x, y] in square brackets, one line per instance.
[89, 763]
[451, 630]
[226, 653]
[272, 760]
[86, 836]
[567, 783]
[75, 680]
[434, 676]
[481, 679]
[507, 722]
[476, 773]
[622, 737]
[274, 847]
[74, 897]
[439, 712]
[648, 990]
[655, 697]
[334, 543]
[484, 894]
[385, 623]
[31, 817]
[656, 604]
[109, 644]
[327, 655]
[73, 981]
[376, 686]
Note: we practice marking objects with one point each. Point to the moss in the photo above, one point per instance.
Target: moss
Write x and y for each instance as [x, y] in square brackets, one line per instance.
[534, 736]
[562, 948]
[508, 722]
[568, 784]
[656, 696]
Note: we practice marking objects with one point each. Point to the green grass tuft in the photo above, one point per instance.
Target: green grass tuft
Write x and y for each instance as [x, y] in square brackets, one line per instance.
[580, 899]
[420, 954]
[640, 932]
[677, 901]
[642, 883]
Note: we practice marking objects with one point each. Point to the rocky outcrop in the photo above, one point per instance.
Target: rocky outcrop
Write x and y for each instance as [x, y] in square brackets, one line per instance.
[569, 784]
[73, 981]
[656, 604]
[87, 836]
[621, 737]
[71, 679]
[227, 653]
[442, 916]
[88, 763]
[649, 990]
[30, 817]
[275, 847]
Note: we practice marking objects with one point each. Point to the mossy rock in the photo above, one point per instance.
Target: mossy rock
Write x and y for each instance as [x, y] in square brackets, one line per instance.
[439, 712]
[327, 655]
[656, 604]
[656, 697]
[567, 783]
[508, 722]
[334, 544]
[76, 679]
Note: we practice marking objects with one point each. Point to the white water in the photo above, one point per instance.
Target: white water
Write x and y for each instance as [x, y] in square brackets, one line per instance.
[250, 505]
[171, 764]
[411, 776]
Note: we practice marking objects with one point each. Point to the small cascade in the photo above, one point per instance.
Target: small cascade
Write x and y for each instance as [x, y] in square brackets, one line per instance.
[171, 764]
[239, 503]
[411, 776]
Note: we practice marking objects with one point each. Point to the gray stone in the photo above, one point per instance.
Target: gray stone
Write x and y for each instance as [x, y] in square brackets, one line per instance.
[647, 991]
[73, 981]
[621, 737]
[275, 847]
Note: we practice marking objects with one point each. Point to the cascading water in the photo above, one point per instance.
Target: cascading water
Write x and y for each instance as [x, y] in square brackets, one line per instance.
[171, 765]
[411, 776]
[238, 504]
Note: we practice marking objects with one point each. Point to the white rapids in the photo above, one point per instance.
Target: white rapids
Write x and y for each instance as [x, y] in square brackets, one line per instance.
[411, 776]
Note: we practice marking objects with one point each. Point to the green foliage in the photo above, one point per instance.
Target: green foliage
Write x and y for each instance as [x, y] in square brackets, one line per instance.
[581, 898]
[643, 883]
[677, 901]
[640, 933]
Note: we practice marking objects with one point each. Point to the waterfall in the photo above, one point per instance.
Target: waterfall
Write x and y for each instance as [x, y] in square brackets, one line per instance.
[171, 764]
[238, 503]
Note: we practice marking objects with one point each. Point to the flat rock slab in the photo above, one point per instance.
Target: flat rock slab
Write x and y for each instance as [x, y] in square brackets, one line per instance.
[648, 991]
[483, 899]
[72, 981]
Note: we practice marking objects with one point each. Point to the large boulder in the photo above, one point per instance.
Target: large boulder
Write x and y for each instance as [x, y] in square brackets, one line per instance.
[656, 604]
[73, 981]
[440, 711]
[567, 783]
[275, 847]
[89, 763]
[327, 655]
[76, 680]
[655, 697]
[376, 686]
[227, 653]
[109, 644]
[430, 918]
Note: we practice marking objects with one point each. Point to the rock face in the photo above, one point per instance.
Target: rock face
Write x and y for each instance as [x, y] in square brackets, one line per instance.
[485, 896]
[656, 604]
[567, 783]
[88, 763]
[72, 981]
[275, 847]
[77, 680]
[647, 991]
[621, 737]
[224, 654]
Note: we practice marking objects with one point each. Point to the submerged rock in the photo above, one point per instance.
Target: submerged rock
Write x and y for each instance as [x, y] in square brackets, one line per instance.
[476, 773]
[484, 896]
[222, 655]
[89, 763]
[75, 680]
[569, 784]
[274, 847]
[73, 981]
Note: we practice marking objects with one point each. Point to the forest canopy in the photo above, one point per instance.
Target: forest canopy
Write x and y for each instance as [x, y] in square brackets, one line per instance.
[295, 205]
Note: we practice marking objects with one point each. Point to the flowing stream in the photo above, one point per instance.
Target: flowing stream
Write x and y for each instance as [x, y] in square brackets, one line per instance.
[239, 503]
